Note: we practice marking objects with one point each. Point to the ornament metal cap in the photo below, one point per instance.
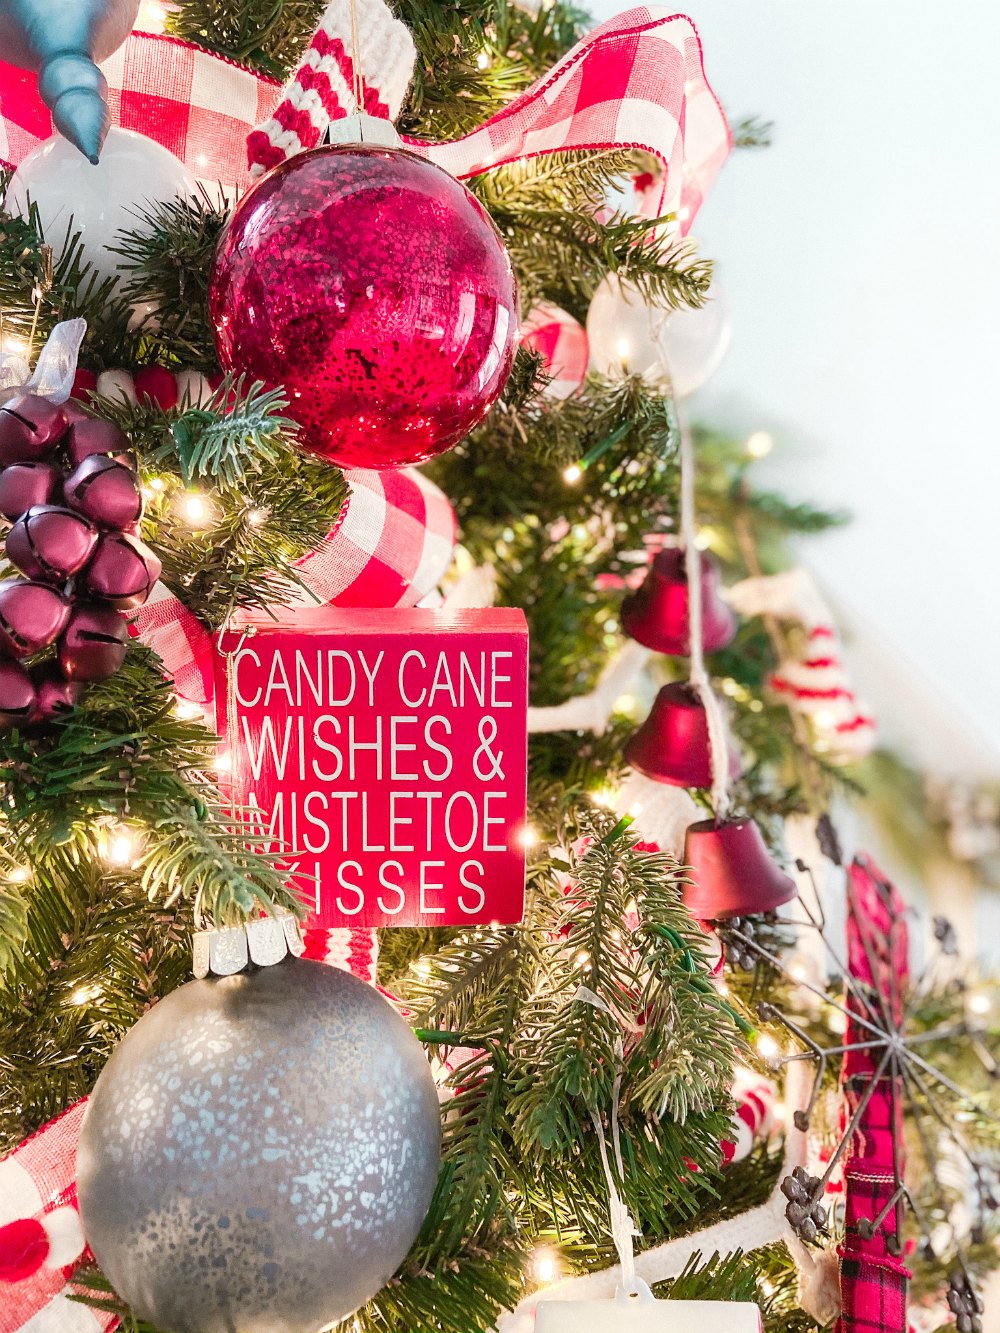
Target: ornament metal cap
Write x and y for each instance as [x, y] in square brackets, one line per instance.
[363, 128]
[223, 953]
[732, 873]
[673, 744]
[656, 615]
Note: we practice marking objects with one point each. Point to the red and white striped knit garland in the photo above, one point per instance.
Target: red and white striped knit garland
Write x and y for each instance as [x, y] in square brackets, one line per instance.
[322, 88]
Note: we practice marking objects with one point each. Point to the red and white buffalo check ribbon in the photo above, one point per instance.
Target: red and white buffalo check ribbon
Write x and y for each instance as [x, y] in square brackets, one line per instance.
[636, 81]
[41, 1241]
[390, 548]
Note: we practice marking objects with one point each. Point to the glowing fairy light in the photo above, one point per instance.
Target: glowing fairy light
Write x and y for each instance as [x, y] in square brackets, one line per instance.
[196, 510]
[120, 846]
[760, 444]
[545, 1264]
[572, 474]
[768, 1048]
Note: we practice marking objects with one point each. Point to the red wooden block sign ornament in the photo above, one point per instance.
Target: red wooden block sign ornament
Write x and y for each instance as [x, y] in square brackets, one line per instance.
[383, 755]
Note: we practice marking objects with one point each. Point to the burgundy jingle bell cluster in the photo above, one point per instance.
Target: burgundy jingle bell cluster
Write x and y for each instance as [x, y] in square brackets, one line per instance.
[732, 874]
[69, 488]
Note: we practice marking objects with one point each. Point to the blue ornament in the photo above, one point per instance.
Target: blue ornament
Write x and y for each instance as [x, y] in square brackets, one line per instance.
[61, 41]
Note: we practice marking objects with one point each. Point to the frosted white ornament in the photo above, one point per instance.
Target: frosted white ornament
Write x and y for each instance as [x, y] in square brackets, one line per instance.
[629, 337]
[98, 201]
[640, 1312]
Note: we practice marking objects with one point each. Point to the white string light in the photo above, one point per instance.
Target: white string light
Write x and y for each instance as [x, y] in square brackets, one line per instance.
[119, 846]
[196, 509]
[545, 1264]
[760, 444]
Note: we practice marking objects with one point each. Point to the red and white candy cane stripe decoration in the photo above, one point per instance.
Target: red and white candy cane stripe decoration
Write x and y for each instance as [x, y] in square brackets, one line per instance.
[815, 682]
[756, 1101]
[561, 342]
[322, 88]
[637, 80]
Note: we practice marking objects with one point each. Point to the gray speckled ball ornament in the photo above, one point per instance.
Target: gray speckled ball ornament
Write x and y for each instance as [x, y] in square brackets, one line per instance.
[259, 1153]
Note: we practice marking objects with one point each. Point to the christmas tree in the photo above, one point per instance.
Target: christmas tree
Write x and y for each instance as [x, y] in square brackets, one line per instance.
[665, 1063]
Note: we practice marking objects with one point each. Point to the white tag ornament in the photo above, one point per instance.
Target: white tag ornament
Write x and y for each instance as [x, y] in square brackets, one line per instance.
[639, 1311]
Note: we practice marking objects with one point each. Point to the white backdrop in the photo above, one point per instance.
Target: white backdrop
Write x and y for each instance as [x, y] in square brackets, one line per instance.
[861, 253]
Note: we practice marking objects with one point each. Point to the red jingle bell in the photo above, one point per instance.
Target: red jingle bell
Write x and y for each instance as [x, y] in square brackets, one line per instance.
[29, 427]
[32, 615]
[122, 571]
[25, 484]
[673, 745]
[732, 873]
[105, 491]
[93, 646]
[656, 615]
[89, 435]
[17, 695]
[55, 694]
[50, 543]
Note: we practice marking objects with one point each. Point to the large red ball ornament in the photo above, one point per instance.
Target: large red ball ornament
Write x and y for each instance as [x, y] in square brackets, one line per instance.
[374, 288]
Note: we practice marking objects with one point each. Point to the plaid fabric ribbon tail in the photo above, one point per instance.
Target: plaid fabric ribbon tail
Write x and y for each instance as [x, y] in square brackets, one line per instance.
[873, 1277]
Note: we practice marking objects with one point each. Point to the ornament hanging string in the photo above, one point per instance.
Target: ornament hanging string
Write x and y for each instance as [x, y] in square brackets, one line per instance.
[359, 77]
[699, 676]
[622, 1226]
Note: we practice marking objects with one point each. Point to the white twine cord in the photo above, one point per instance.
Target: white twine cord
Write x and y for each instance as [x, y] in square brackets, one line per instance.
[622, 1226]
[359, 81]
[717, 740]
[760, 1226]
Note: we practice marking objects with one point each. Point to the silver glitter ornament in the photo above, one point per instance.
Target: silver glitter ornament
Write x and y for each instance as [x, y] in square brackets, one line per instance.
[259, 1152]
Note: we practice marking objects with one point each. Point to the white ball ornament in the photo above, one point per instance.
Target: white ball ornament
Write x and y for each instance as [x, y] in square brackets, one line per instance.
[99, 201]
[629, 337]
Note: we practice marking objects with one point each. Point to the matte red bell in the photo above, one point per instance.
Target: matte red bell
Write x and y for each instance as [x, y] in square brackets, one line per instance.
[32, 615]
[672, 745]
[89, 435]
[17, 695]
[51, 543]
[55, 695]
[29, 427]
[656, 615]
[25, 484]
[122, 571]
[731, 871]
[93, 646]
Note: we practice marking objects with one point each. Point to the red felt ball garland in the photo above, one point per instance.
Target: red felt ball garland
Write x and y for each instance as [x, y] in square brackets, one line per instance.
[69, 489]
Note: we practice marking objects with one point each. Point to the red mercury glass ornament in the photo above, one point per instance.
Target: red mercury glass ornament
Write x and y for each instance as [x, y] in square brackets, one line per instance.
[375, 289]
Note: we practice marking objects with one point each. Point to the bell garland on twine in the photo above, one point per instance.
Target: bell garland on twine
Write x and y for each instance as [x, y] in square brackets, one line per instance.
[81, 561]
